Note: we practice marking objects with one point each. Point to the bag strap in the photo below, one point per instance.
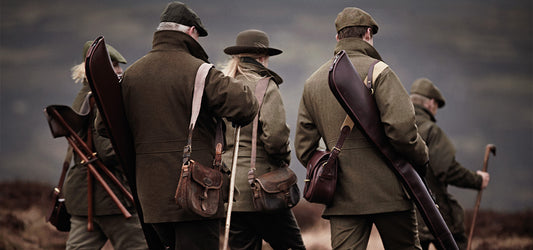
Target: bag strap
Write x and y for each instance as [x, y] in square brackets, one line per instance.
[199, 83]
[260, 91]
[346, 128]
[66, 165]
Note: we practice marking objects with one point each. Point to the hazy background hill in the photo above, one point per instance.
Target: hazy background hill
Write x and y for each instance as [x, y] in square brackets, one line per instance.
[478, 52]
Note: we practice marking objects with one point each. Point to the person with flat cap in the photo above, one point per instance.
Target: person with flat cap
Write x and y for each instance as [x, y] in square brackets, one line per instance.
[443, 168]
[368, 191]
[249, 227]
[109, 222]
[158, 92]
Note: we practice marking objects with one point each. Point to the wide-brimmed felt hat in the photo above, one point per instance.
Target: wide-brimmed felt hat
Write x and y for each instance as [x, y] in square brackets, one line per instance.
[113, 53]
[178, 12]
[352, 16]
[425, 87]
[252, 41]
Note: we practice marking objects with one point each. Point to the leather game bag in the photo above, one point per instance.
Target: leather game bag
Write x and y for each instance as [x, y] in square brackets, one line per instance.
[199, 188]
[321, 177]
[275, 190]
[58, 215]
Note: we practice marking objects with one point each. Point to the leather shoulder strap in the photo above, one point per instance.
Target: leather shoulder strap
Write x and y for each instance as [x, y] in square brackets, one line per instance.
[346, 128]
[66, 165]
[374, 70]
[260, 90]
[199, 83]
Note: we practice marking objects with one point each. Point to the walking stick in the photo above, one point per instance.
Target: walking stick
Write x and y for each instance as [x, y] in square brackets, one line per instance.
[232, 185]
[490, 148]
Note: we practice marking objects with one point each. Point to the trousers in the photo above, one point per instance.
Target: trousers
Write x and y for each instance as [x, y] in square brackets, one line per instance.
[121, 232]
[189, 235]
[398, 230]
[280, 230]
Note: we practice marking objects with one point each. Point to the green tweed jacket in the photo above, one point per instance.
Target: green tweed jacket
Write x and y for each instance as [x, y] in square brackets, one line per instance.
[157, 91]
[366, 185]
[273, 147]
[443, 170]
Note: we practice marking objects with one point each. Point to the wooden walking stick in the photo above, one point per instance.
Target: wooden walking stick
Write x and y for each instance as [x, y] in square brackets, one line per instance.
[232, 185]
[490, 148]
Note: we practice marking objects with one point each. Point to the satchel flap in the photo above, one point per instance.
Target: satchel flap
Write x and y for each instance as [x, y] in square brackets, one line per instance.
[208, 177]
[318, 157]
[278, 180]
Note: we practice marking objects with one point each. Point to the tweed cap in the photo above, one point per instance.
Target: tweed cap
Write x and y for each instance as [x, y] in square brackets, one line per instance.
[425, 87]
[352, 16]
[178, 12]
[113, 53]
[252, 41]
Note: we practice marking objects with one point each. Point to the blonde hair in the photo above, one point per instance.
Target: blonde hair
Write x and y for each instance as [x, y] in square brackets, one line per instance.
[233, 67]
[78, 73]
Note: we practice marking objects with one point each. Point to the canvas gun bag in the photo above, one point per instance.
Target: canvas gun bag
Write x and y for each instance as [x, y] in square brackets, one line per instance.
[199, 188]
[275, 190]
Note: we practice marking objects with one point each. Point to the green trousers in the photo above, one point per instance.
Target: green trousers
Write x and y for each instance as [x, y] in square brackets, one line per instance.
[398, 230]
[121, 232]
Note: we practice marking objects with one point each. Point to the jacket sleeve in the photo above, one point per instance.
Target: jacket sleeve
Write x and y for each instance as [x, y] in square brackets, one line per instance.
[307, 136]
[230, 98]
[398, 118]
[444, 165]
[275, 131]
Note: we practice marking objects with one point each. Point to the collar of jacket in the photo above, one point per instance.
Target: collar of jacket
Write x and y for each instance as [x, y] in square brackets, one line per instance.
[421, 111]
[353, 44]
[177, 40]
[263, 71]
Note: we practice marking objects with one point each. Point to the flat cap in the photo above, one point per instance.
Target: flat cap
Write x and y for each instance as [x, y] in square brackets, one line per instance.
[113, 53]
[178, 12]
[425, 87]
[352, 16]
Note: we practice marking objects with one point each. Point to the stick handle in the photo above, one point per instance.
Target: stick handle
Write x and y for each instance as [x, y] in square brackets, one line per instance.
[489, 148]
[232, 185]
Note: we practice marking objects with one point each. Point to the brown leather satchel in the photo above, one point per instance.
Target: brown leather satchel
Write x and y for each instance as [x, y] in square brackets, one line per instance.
[321, 177]
[275, 190]
[58, 215]
[199, 188]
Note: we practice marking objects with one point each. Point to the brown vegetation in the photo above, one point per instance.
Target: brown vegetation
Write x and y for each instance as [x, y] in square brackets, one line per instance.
[23, 206]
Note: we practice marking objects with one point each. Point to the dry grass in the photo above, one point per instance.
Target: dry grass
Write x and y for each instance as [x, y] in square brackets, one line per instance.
[23, 206]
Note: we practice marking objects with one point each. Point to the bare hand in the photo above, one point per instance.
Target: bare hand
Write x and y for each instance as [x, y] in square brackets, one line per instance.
[486, 178]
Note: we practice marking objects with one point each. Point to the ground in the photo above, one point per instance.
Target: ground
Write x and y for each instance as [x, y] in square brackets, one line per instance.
[24, 205]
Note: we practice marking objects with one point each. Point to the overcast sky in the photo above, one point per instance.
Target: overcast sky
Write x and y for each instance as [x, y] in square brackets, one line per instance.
[478, 52]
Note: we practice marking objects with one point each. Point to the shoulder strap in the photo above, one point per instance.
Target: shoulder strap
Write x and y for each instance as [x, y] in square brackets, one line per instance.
[346, 128]
[66, 165]
[198, 92]
[260, 90]
[373, 72]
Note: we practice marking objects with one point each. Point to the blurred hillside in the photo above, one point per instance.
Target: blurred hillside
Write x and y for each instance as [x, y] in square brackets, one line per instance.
[23, 206]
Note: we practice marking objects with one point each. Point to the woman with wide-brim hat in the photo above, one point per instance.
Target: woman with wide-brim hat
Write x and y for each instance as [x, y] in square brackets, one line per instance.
[249, 227]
